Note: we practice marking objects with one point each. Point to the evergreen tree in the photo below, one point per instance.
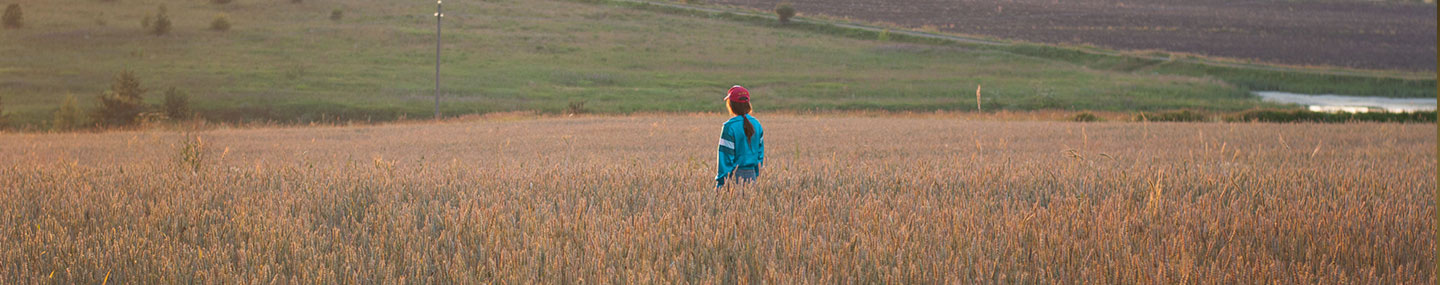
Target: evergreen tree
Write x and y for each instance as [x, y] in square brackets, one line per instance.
[13, 18]
[161, 26]
[122, 104]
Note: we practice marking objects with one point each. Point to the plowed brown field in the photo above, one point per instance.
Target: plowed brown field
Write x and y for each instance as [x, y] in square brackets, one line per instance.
[1371, 35]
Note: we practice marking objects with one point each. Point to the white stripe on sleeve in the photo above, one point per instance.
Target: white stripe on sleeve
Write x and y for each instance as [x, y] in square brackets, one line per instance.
[727, 143]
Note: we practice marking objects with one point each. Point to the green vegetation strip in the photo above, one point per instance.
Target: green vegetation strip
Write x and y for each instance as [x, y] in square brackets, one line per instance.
[299, 63]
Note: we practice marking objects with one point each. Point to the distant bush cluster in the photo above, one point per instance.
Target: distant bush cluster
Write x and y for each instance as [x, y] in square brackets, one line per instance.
[1172, 116]
[1286, 116]
[1307, 116]
[1084, 117]
[159, 24]
[123, 105]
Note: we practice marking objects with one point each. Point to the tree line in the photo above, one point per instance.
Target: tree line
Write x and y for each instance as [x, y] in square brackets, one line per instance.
[123, 105]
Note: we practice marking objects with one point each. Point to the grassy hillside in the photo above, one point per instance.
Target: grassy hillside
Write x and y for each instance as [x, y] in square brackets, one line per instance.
[289, 62]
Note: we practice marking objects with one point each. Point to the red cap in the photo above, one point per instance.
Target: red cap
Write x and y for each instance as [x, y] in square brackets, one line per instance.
[738, 94]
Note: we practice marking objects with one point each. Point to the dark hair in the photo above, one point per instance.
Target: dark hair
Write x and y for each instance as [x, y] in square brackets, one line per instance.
[740, 109]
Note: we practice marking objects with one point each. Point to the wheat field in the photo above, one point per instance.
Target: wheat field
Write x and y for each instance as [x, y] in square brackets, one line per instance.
[628, 199]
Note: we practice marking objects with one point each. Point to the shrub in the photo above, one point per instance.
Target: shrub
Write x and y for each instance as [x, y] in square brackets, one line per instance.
[177, 104]
[68, 116]
[784, 11]
[1276, 116]
[145, 22]
[221, 2]
[884, 35]
[221, 23]
[576, 107]
[161, 25]
[14, 18]
[1173, 116]
[122, 103]
[1084, 117]
[337, 14]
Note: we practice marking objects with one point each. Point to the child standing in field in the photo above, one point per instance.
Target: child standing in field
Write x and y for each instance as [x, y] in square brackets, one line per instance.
[742, 141]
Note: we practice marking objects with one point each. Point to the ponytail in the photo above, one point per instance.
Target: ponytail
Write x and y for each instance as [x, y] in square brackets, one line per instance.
[741, 109]
[749, 130]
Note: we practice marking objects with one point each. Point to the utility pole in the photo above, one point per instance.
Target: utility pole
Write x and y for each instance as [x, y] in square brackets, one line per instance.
[439, 13]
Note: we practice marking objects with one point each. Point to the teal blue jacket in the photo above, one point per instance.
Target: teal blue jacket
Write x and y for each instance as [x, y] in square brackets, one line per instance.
[738, 151]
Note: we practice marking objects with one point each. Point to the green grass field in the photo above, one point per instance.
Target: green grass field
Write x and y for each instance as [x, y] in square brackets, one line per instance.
[289, 62]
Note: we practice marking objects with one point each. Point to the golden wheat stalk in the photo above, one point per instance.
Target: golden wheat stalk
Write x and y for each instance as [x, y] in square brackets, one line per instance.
[977, 98]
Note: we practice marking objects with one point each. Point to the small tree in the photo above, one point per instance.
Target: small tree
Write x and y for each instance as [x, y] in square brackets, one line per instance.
[784, 11]
[161, 25]
[68, 116]
[122, 103]
[177, 104]
[221, 24]
[14, 18]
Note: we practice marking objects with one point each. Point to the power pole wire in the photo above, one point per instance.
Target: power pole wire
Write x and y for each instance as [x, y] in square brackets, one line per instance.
[439, 13]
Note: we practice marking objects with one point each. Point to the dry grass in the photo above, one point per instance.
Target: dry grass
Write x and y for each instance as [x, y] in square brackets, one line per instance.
[627, 199]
